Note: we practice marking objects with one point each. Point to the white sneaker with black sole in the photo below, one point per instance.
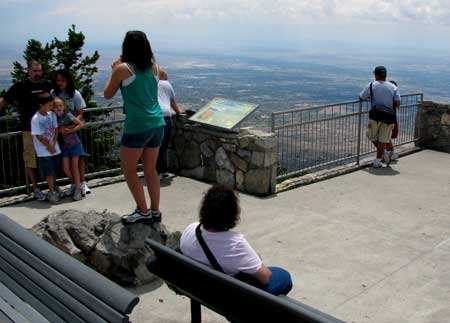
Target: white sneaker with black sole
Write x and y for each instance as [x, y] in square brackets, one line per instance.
[156, 216]
[84, 188]
[137, 216]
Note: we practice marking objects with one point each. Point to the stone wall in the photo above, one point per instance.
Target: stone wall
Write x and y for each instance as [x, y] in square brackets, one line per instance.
[246, 161]
[433, 126]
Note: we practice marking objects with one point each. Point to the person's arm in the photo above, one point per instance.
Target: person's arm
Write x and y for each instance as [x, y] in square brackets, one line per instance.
[397, 99]
[365, 93]
[79, 104]
[2, 103]
[78, 124]
[263, 275]
[175, 107]
[118, 74]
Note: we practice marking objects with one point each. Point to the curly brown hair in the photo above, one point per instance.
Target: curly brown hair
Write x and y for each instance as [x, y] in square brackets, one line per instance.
[220, 209]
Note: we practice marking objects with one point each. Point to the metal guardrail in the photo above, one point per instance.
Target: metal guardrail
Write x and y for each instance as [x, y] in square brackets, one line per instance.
[308, 139]
[100, 136]
[326, 136]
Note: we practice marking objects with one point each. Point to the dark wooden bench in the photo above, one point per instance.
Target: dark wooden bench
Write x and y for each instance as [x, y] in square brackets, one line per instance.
[40, 283]
[236, 300]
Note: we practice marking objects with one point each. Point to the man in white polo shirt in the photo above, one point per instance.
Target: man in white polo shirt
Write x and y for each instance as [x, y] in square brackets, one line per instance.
[166, 99]
[384, 100]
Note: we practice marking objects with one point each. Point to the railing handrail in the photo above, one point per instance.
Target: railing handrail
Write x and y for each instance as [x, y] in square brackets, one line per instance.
[16, 115]
[332, 105]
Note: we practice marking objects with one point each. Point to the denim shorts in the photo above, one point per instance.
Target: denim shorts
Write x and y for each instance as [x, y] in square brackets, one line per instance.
[151, 138]
[50, 165]
[74, 151]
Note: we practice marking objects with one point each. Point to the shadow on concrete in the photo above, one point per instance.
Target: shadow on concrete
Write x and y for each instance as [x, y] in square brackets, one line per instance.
[383, 171]
[163, 182]
[42, 205]
[140, 290]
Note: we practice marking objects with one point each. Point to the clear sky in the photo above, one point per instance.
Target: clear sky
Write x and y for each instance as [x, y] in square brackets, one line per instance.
[201, 25]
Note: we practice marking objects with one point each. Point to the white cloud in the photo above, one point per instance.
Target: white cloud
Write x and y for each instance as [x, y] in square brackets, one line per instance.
[292, 11]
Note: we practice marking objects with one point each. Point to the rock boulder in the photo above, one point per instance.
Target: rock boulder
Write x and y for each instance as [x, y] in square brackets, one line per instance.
[100, 240]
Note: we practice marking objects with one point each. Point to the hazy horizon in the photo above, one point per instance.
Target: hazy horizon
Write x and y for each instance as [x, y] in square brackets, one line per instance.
[315, 50]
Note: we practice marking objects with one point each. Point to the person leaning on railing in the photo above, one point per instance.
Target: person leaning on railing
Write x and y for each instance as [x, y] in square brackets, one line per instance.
[385, 98]
[166, 99]
[25, 95]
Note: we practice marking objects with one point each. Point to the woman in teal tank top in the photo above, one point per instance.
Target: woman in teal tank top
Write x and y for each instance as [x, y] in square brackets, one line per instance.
[135, 74]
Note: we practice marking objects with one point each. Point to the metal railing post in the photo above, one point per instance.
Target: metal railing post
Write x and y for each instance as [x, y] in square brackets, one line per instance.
[272, 128]
[27, 180]
[358, 149]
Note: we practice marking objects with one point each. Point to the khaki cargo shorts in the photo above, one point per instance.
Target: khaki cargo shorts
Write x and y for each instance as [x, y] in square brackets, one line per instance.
[379, 131]
[29, 155]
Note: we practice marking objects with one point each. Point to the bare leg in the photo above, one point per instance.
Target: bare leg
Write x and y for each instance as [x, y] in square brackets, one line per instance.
[82, 168]
[389, 147]
[149, 158]
[380, 149]
[66, 168]
[129, 158]
[51, 180]
[32, 177]
[74, 165]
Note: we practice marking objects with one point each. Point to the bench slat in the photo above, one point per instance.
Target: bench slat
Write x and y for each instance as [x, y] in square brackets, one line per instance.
[27, 297]
[111, 293]
[40, 293]
[62, 289]
[25, 310]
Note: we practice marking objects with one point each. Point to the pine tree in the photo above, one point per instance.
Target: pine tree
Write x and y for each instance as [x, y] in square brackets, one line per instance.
[62, 54]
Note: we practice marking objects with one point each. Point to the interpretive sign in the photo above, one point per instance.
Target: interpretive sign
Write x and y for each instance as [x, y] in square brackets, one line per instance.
[223, 113]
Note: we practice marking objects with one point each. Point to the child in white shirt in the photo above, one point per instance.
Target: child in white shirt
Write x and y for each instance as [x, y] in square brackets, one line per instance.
[44, 129]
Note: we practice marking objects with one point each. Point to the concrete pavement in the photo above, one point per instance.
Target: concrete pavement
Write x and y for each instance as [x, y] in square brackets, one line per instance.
[370, 246]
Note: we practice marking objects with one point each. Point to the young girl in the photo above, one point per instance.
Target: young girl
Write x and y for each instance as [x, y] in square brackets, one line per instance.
[71, 146]
[65, 89]
[136, 75]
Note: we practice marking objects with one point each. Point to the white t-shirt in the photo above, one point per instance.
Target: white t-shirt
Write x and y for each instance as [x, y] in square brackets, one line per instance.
[165, 94]
[44, 126]
[384, 93]
[75, 103]
[231, 250]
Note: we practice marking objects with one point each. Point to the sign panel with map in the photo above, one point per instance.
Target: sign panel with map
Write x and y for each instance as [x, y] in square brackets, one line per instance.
[223, 113]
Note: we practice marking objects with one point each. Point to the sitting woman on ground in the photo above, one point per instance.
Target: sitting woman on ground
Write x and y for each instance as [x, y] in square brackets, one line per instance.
[228, 250]
[136, 74]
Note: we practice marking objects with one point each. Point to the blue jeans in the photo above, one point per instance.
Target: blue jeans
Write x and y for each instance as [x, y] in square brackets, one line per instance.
[161, 163]
[280, 283]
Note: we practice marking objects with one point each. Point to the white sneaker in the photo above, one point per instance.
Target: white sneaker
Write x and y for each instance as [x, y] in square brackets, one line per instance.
[71, 190]
[84, 188]
[394, 156]
[77, 195]
[137, 216]
[53, 197]
[376, 163]
[38, 195]
[61, 194]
